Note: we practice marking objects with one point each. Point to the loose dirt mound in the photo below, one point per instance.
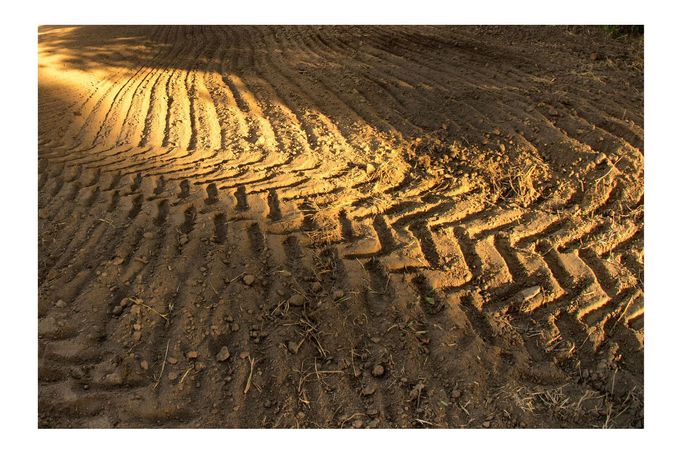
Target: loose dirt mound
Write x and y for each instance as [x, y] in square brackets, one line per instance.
[340, 227]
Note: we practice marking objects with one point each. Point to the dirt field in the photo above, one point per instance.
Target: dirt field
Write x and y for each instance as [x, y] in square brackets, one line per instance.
[340, 227]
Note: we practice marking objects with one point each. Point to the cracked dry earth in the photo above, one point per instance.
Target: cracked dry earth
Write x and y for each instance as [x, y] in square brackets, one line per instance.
[340, 227]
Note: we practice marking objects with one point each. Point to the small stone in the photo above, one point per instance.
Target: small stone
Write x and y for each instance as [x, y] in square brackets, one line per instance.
[249, 279]
[118, 260]
[117, 310]
[338, 294]
[358, 424]
[60, 303]
[368, 390]
[144, 364]
[527, 294]
[137, 326]
[192, 355]
[297, 300]
[199, 366]
[372, 411]
[292, 347]
[594, 56]
[137, 335]
[244, 355]
[223, 354]
[148, 235]
[456, 394]
[172, 375]
[172, 360]
[378, 371]
[486, 424]
[114, 378]
[316, 287]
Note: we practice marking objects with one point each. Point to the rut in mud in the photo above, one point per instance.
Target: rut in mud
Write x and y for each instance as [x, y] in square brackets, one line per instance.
[340, 227]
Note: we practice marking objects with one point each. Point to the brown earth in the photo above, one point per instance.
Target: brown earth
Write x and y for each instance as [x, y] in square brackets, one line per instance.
[340, 227]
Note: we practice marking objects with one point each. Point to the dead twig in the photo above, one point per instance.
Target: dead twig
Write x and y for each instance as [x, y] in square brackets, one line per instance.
[163, 365]
[248, 381]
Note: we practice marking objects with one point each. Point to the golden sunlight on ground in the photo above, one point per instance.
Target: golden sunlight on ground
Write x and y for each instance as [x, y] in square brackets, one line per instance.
[301, 226]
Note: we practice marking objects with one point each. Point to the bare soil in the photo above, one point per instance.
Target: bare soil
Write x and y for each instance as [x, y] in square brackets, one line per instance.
[340, 227]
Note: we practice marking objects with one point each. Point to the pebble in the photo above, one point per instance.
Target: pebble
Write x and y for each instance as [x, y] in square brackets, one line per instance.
[172, 375]
[249, 279]
[358, 424]
[244, 355]
[137, 335]
[117, 310]
[297, 300]
[223, 354]
[316, 287]
[60, 303]
[338, 294]
[172, 360]
[368, 390]
[149, 235]
[456, 394]
[527, 294]
[378, 370]
[144, 364]
[192, 355]
[292, 347]
[486, 424]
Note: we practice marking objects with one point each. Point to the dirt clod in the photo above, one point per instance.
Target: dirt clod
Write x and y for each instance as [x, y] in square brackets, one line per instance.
[378, 370]
[249, 279]
[368, 390]
[297, 300]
